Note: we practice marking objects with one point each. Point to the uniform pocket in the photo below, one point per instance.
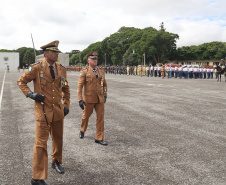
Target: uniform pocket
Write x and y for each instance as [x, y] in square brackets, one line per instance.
[39, 114]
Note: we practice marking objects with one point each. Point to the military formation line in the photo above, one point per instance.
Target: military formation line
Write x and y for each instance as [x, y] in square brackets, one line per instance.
[165, 71]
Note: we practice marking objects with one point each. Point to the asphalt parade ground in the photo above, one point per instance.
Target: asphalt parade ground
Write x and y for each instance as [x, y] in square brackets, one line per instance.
[160, 131]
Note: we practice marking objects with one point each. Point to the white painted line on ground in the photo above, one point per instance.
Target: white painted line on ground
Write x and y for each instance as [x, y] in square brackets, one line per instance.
[2, 90]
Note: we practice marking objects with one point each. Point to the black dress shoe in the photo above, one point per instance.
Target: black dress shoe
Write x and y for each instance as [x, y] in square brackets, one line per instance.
[101, 142]
[38, 182]
[81, 135]
[58, 167]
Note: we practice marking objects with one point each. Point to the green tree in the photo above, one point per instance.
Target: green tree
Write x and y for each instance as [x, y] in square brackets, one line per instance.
[93, 47]
[206, 51]
[27, 58]
[116, 45]
[22, 51]
[75, 59]
[130, 58]
[73, 52]
[6, 50]
[157, 45]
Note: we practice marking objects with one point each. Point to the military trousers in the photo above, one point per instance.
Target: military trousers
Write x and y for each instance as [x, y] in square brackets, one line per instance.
[88, 110]
[204, 75]
[40, 155]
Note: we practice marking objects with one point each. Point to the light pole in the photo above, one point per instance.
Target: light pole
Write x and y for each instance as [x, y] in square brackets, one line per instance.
[144, 59]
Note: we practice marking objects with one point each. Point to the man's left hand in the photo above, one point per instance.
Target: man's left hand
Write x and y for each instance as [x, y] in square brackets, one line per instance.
[66, 111]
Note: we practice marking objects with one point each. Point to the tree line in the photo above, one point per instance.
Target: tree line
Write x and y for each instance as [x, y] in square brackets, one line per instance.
[131, 46]
[207, 51]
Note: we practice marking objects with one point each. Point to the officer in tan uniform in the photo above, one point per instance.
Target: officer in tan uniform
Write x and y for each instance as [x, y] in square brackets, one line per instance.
[144, 71]
[128, 68]
[94, 96]
[135, 70]
[163, 71]
[50, 87]
[138, 70]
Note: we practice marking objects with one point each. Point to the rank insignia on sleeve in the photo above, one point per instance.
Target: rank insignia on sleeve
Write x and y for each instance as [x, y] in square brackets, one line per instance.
[30, 68]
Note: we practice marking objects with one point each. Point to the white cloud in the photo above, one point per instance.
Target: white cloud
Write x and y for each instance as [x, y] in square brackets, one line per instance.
[79, 23]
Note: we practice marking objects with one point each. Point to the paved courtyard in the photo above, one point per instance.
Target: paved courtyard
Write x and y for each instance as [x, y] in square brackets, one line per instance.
[160, 131]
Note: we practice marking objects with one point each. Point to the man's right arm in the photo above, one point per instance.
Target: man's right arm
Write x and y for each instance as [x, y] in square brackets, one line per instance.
[81, 82]
[27, 77]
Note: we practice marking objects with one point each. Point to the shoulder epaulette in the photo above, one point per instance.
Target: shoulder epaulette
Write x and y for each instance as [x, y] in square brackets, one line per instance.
[35, 64]
[101, 69]
[63, 66]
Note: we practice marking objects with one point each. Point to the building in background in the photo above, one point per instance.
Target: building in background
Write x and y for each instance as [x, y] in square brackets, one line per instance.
[63, 59]
[9, 58]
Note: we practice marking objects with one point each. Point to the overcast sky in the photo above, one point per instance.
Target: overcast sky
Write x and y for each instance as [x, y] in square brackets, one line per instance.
[79, 23]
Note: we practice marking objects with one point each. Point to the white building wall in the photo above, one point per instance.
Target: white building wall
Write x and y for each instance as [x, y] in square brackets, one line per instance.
[63, 59]
[9, 58]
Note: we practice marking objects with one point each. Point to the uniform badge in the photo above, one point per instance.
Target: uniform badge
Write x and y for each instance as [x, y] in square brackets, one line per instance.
[62, 82]
[41, 75]
[30, 68]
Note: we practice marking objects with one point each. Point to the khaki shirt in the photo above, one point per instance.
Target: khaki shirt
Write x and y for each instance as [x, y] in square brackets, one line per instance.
[53, 91]
[94, 88]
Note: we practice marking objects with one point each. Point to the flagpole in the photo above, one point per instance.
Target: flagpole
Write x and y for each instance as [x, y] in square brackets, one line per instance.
[33, 46]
